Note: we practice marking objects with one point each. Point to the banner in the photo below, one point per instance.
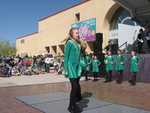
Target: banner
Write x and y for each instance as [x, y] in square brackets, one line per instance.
[87, 29]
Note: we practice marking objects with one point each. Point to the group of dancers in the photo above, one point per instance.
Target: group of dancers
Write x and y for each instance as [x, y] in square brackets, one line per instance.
[91, 64]
[119, 66]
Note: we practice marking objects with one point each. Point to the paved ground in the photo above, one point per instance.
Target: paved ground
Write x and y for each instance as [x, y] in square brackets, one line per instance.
[58, 103]
[31, 80]
[133, 96]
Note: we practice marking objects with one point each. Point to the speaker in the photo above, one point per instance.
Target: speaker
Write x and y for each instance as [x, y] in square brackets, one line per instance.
[113, 46]
[98, 43]
[98, 51]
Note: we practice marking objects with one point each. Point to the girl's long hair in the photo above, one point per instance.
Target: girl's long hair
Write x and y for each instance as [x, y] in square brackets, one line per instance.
[71, 35]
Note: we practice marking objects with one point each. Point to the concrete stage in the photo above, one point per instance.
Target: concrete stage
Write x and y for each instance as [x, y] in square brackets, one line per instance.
[58, 103]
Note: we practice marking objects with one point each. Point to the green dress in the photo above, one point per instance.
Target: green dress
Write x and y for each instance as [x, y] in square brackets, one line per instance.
[95, 65]
[134, 64]
[109, 63]
[119, 63]
[72, 53]
[82, 65]
[88, 62]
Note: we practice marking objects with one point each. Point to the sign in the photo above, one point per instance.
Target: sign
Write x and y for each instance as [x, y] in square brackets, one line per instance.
[87, 29]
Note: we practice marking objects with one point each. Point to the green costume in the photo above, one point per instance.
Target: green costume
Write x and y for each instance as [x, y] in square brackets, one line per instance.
[95, 65]
[119, 63]
[134, 64]
[109, 63]
[72, 53]
[82, 65]
[88, 62]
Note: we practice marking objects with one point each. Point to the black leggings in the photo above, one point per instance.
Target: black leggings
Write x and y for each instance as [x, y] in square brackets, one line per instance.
[133, 78]
[75, 93]
[109, 76]
[95, 74]
[120, 76]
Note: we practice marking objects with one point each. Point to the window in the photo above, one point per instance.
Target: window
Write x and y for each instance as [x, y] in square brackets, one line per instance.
[122, 16]
[77, 16]
[47, 49]
[22, 41]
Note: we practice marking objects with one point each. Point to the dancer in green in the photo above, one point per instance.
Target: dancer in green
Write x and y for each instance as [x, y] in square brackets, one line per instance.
[109, 66]
[72, 68]
[119, 67]
[95, 67]
[88, 61]
[134, 67]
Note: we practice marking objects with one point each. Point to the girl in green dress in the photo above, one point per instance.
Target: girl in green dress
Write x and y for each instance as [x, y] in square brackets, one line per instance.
[109, 66]
[133, 67]
[72, 68]
[95, 67]
[119, 67]
[88, 65]
[82, 66]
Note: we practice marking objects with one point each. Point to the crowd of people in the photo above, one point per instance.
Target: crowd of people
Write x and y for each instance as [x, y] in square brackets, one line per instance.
[15, 65]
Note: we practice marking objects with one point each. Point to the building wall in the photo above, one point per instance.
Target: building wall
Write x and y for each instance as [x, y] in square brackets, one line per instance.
[54, 29]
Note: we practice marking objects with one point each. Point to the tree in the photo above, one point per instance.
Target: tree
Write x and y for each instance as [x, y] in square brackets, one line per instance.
[7, 49]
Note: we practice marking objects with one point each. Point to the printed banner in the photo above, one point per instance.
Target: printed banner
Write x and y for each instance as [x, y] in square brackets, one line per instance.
[87, 29]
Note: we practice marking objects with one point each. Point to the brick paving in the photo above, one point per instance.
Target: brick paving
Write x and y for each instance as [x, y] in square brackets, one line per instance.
[134, 96]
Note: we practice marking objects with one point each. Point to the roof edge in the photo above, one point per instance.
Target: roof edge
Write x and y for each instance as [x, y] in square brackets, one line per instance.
[63, 10]
[53, 15]
[26, 35]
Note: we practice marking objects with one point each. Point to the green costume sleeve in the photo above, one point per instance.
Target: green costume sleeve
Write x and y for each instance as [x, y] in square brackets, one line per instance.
[105, 60]
[140, 58]
[113, 59]
[99, 63]
[90, 61]
[126, 58]
[66, 56]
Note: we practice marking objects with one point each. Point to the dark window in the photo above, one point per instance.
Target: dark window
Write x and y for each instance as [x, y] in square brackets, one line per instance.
[77, 16]
[22, 41]
[122, 16]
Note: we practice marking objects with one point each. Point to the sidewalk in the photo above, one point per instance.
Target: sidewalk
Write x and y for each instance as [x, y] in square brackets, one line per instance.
[32, 80]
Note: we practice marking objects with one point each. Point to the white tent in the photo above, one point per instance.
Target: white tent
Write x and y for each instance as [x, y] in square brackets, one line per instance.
[139, 9]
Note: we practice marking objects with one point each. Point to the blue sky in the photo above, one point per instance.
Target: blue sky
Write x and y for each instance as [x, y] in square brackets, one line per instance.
[20, 17]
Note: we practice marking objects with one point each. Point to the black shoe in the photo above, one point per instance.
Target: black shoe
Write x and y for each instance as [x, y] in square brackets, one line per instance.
[118, 82]
[110, 80]
[71, 110]
[95, 80]
[79, 99]
[75, 109]
[106, 81]
[86, 79]
[133, 83]
[130, 81]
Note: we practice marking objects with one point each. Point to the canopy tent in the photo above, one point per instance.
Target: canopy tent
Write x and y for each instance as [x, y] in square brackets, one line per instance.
[139, 9]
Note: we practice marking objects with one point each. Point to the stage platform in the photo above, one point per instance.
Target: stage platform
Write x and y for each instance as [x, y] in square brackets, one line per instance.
[102, 97]
[58, 103]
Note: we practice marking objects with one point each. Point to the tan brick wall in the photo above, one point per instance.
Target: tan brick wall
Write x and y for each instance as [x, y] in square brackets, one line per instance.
[54, 29]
